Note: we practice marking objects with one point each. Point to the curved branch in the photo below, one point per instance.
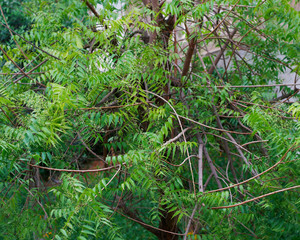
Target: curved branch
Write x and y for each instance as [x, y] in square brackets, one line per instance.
[181, 128]
[256, 198]
[256, 176]
[148, 227]
[203, 125]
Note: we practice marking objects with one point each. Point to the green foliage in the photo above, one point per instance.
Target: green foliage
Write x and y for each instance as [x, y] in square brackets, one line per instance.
[109, 92]
[16, 17]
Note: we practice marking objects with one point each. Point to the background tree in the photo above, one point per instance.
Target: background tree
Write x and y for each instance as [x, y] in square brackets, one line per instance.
[189, 143]
[16, 17]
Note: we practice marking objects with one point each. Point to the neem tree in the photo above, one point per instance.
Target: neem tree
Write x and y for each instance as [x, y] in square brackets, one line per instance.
[174, 100]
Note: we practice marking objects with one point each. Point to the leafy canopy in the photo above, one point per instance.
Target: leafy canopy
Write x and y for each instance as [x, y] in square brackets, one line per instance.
[171, 101]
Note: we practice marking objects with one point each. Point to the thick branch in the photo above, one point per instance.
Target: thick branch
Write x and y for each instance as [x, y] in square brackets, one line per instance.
[189, 55]
[91, 7]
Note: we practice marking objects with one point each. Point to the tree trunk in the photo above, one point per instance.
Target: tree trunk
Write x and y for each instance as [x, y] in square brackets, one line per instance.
[168, 223]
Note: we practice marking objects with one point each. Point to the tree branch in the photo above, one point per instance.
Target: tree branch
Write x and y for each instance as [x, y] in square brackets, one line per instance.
[256, 198]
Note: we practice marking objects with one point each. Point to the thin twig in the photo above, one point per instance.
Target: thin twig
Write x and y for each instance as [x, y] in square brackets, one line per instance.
[190, 221]
[40, 64]
[175, 138]
[254, 86]
[28, 73]
[75, 171]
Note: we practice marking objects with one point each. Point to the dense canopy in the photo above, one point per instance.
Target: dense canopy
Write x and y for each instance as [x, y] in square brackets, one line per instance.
[149, 119]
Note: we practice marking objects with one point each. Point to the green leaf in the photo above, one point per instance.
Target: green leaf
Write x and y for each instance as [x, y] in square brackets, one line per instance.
[64, 232]
[88, 232]
[81, 238]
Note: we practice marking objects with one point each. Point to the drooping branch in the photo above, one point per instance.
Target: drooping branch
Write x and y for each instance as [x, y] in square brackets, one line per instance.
[225, 144]
[106, 97]
[190, 221]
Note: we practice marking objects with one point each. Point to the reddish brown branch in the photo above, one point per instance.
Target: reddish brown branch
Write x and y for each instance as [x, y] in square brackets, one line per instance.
[148, 227]
[189, 55]
[255, 86]
[30, 72]
[91, 7]
[256, 176]
[16, 65]
[7, 117]
[256, 198]
[75, 171]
